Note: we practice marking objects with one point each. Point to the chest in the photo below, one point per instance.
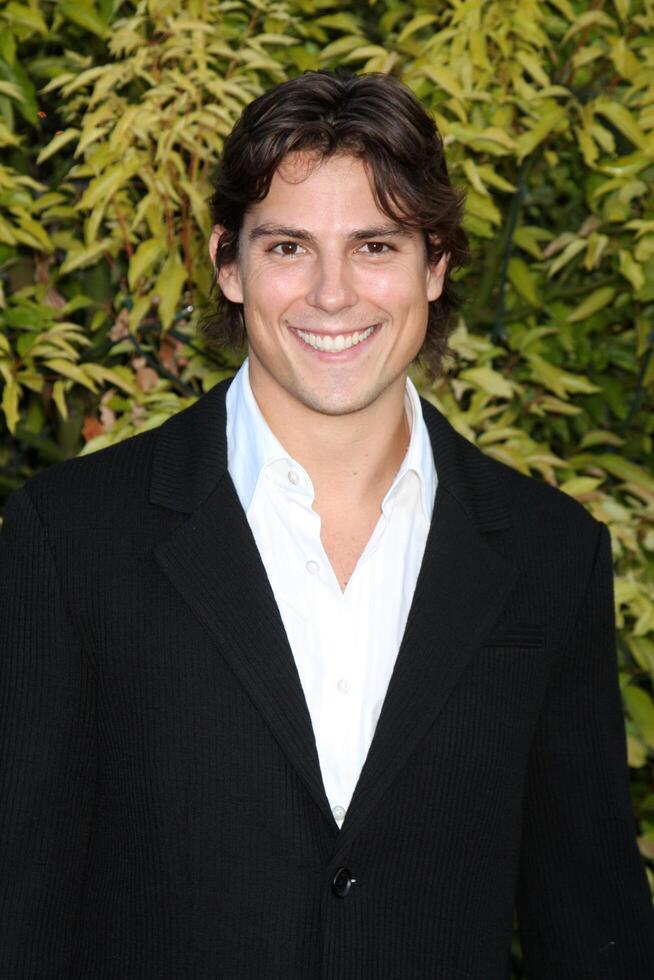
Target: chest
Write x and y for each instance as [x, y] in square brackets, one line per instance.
[344, 538]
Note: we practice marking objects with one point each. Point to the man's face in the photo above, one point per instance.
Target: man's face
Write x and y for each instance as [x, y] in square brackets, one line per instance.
[317, 257]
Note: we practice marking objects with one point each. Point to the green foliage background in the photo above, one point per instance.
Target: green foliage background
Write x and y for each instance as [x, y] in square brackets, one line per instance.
[112, 115]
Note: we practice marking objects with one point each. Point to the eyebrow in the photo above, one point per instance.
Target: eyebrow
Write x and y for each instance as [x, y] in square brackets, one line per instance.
[268, 230]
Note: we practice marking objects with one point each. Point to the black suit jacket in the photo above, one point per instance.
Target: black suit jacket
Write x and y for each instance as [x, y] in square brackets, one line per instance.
[162, 812]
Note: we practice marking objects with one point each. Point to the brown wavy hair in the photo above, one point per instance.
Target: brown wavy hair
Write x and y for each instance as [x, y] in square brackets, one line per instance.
[371, 116]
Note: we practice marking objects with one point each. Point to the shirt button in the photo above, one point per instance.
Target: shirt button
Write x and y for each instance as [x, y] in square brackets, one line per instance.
[339, 812]
[293, 477]
[343, 685]
[313, 567]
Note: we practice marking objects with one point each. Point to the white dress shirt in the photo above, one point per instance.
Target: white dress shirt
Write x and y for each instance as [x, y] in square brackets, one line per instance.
[344, 643]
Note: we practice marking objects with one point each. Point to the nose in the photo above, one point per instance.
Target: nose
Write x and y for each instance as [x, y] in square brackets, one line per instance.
[331, 288]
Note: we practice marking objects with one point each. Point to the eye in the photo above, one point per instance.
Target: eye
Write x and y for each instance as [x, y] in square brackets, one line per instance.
[282, 244]
[379, 246]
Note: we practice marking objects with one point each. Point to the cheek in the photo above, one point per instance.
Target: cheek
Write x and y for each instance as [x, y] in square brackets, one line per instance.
[399, 285]
[272, 288]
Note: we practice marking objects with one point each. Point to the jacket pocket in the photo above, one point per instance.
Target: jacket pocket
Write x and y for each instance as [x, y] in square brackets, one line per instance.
[517, 635]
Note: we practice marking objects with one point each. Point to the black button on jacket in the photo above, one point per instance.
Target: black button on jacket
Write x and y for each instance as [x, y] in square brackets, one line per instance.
[162, 813]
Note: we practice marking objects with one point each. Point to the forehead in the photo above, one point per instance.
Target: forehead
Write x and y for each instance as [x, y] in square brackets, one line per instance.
[306, 184]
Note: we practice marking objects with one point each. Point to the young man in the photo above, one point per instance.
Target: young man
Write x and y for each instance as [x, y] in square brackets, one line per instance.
[302, 684]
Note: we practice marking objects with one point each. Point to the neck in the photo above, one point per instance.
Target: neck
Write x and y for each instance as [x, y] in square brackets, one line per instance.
[352, 458]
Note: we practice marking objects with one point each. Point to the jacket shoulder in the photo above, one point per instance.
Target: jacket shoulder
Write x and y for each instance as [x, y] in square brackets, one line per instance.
[107, 480]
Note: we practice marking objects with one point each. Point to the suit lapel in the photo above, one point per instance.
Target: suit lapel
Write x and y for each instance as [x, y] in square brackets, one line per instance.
[213, 561]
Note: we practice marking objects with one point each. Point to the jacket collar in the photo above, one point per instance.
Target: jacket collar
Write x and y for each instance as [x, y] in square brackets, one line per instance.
[190, 458]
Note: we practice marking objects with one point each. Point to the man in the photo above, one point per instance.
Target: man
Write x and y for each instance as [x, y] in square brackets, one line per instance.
[302, 684]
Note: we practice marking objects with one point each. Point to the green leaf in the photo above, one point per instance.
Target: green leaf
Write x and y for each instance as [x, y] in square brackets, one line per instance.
[84, 16]
[625, 470]
[642, 650]
[16, 75]
[641, 711]
[18, 13]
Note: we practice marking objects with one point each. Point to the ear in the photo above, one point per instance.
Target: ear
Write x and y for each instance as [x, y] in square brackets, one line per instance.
[436, 277]
[229, 274]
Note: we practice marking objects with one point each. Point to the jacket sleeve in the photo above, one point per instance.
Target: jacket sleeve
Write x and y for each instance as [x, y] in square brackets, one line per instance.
[583, 904]
[47, 755]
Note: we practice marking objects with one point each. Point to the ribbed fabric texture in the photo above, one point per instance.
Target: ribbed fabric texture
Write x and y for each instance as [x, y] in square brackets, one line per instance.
[161, 808]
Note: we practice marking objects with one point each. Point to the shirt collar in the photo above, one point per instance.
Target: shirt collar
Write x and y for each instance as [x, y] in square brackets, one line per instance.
[252, 445]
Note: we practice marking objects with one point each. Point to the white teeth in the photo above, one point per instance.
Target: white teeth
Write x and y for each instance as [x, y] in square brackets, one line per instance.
[338, 343]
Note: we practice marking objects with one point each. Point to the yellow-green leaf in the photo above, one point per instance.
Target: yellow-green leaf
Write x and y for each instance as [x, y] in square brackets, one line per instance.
[70, 370]
[521, 279]
[631, 270]
[599, 437]
[59, 398]
[340, 47]
[56, 143]
[169, 288]
[597, 300]
[78, 258]
[567, 255]
[444, 78]
[488, 380]
[482, 207]
[592, 18]
[533, 67]
[106, 185]
[527, 142]
[10, 395]
[557, 380]
[144, 258]
[623, 120]
[11, 90]
[415, 24]
[580, 485]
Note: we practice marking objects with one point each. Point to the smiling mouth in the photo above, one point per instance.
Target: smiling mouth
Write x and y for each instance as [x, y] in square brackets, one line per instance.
[337, 343]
